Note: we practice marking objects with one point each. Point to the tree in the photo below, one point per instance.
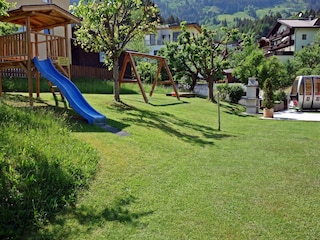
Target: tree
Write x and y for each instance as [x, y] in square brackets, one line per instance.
[4, 7]
[268, 98]
[108, 26]
[251, 62]
[182, 70]
[6, 28]
[200, 55]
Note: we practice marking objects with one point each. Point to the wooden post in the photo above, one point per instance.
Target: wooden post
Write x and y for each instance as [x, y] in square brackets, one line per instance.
[156, 78]
[219, 122]
[37, 72]
[67, 48]
[171, 78]
[0, 83]
[29, 54]
[138, 78]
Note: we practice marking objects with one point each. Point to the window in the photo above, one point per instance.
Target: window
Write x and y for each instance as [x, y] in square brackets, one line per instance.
[152, 39]
[175, 36]
[304, 36]
[149, 40]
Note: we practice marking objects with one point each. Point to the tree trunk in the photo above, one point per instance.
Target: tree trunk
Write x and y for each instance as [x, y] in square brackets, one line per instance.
[194, 82]
[115, 76]
[210, 89]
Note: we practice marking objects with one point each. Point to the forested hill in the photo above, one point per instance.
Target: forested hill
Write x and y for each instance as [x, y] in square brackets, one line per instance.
[202, 11]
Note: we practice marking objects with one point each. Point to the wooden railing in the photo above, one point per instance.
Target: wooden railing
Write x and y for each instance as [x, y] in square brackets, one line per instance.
[75, 70]
[14, 46]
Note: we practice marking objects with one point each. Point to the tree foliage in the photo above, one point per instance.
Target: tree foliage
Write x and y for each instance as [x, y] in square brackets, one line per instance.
[268, 96]
[251, 62]
[307, 60]
[6, 28]
[4, 7]
[204, 55]
[108, 26]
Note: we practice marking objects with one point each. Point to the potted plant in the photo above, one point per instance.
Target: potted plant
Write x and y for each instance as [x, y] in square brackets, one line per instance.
[268, 99]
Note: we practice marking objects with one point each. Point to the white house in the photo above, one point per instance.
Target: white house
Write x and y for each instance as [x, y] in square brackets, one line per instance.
[290, 35]
[170, 33]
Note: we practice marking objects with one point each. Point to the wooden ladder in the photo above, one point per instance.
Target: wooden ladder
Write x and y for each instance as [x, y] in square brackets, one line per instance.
[55, 92]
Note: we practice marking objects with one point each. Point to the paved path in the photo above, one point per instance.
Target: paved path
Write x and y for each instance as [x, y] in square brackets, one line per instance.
[300, 116]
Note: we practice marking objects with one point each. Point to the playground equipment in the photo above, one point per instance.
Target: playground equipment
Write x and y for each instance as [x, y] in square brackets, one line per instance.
[70, 91]
[22, 50]
[129, 61]
[305, 92]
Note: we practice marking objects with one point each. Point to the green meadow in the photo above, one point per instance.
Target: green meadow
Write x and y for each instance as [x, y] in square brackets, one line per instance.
[174, 176]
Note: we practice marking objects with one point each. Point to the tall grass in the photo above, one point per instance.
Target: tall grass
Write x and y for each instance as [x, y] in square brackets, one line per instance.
[42, 167]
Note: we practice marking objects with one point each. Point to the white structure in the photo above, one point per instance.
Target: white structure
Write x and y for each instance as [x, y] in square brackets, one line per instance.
[252, 99]
[170, 33]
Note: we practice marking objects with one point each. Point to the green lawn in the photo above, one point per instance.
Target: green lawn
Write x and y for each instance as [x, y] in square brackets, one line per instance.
[176, 177]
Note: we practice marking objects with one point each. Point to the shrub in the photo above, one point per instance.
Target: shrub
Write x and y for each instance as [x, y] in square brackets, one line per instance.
[147, 71]
[280, 96]
[268, 98]
[42, 168]
[235, 93]
[223, 90]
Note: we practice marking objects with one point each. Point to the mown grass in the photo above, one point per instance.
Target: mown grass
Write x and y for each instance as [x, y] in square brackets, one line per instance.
[176, 177]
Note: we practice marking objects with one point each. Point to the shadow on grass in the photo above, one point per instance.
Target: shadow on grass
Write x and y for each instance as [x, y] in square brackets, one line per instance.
[118, 212]
[168, 104]
[234, 109]
[76, 122]
[90, 218]
[170, 124]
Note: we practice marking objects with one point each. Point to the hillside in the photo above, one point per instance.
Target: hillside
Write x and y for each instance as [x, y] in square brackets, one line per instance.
[211, 11]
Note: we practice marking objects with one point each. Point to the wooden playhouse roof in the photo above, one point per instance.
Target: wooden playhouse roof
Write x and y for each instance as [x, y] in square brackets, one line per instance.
[42, 16]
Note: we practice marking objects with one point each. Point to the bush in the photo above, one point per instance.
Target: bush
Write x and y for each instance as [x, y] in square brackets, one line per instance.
[147, 71]
[235, 93]
[268, 98]
[223, 90]
[42, 168]
[280, 96]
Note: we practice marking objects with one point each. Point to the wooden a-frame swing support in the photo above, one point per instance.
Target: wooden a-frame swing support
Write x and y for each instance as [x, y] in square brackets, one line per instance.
[128, 59]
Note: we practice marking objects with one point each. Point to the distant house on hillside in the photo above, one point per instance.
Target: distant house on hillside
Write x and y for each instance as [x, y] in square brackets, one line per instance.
[170, 33]
[290, 35]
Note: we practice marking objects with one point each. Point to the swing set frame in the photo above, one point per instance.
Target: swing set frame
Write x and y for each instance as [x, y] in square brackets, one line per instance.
[162, 63]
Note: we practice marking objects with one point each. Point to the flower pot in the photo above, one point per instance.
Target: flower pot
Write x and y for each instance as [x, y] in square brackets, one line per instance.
[268, 112]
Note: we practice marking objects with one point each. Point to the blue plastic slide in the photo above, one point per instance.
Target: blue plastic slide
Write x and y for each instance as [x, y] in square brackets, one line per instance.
[70, 91]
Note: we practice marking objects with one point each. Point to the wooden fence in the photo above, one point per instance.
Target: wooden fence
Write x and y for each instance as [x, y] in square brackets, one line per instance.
[90, 72]
[76, 72]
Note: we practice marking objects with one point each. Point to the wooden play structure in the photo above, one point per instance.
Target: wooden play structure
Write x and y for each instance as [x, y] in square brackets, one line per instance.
[38, 39]
[17, 50]
[162, 63]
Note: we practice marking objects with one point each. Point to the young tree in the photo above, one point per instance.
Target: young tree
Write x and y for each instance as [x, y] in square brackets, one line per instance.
[178, 62]
[203, 54]
[108, 26]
